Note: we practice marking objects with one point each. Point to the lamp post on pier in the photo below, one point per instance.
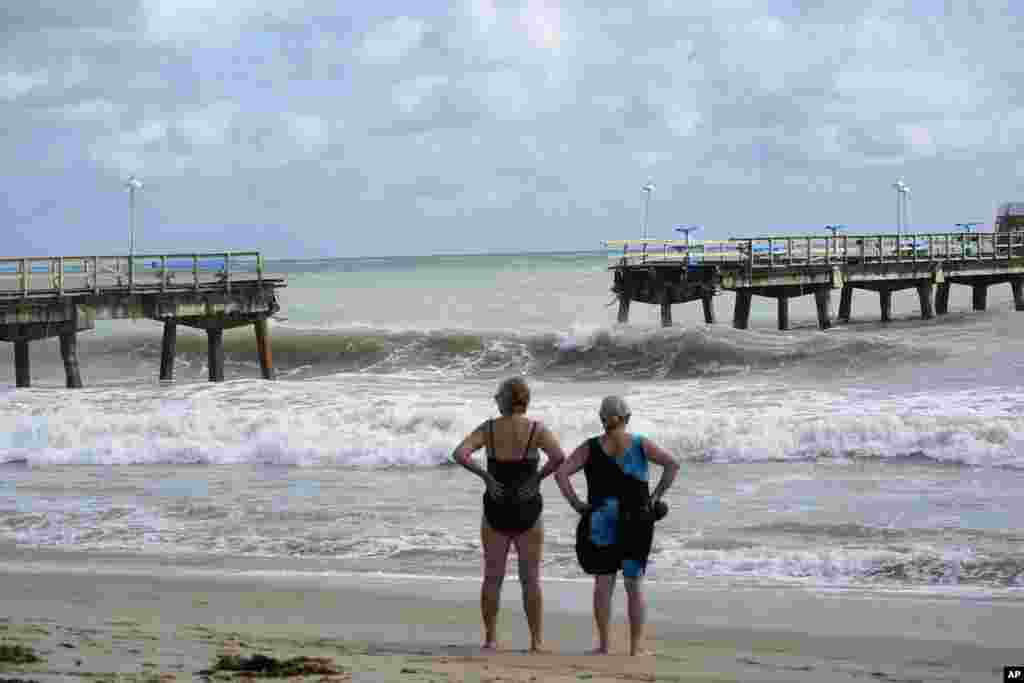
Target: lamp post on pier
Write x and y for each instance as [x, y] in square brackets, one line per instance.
[902, 192]
[132, 184]
[648, 189]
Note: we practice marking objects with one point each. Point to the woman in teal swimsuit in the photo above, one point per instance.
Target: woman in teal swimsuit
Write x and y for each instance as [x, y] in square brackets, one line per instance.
[512, 502]
[618, 523]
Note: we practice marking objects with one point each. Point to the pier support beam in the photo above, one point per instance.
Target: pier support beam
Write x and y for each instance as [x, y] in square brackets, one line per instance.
[741, 314]
[167, 351]
[942, 298]
[783, 302]
[885, 302]
[69, 352]
[263, 348]
[215, 353]
[822, 298]
[22, 375]
[1018, 293]
[845, 304]
[709, 308]
[666, 312]
[924, 297]
[979, 297]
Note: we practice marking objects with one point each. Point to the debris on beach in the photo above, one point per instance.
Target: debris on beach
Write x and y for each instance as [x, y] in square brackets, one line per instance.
[14, 653]
[272, 667]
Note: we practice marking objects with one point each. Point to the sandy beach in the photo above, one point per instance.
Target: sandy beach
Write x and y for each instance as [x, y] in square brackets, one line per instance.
[102, 619]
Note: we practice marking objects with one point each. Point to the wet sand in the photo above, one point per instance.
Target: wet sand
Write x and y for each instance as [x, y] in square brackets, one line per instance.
[102, 620]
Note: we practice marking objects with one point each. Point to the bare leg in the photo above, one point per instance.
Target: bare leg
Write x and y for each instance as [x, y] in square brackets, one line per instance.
[496, 547]
[637, 608]
[529, 547]
[604, 587]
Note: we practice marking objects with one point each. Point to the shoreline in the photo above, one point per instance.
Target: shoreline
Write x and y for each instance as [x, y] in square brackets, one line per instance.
[167, 623]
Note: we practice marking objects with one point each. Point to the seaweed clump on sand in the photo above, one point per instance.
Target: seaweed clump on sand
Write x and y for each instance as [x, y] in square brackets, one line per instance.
[263, 665]
[13, 653]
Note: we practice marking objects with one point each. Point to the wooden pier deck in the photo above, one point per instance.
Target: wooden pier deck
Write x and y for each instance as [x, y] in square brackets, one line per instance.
[666, 272]
[42, 297]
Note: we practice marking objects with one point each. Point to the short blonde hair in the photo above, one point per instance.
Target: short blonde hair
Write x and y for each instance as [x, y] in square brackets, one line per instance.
[513, 396]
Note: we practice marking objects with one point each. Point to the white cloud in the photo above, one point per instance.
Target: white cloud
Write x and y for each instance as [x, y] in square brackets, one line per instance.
[392, 40]
[411, 94]
[893, 88]
[14, 84]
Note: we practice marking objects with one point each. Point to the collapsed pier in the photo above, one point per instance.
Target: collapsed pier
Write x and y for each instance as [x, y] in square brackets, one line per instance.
[667, 272]
[44, 297]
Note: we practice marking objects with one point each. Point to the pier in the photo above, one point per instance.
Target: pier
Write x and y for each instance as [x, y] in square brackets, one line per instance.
[60, 296]
[667, 272]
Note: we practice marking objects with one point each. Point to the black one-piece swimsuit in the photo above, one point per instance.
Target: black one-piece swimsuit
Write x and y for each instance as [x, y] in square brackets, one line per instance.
[510, 515]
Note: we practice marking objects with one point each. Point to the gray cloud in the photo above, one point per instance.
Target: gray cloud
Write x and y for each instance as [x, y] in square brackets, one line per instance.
[294, 125]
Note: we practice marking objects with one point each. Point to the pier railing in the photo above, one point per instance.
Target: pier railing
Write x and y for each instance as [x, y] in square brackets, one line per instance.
[30, 276]
[788, 251]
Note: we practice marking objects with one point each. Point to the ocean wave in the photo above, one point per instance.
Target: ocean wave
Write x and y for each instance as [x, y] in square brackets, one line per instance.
[935, 567]
[582, 353]
[417, 424]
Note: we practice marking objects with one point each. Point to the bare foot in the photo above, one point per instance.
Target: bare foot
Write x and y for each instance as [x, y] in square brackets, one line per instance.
[539, 649]
[489, 646]
[640, 652]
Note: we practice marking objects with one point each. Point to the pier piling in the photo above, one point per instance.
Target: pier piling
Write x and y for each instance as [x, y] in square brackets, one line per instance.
[709, 308]
[215, 353]
[979, 297]
[167, 351]
[822, 298]
[666, 312]
[623, 309]
[942, 298]
[783, 304]
[741, 314]
[69, 352]
[1017, 284]
[924, 296]
[845, 304]
[263, 348]
[885, 303]
[22, 374]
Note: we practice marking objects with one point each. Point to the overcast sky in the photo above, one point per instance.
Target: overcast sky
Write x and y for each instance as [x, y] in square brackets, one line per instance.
[308, 128]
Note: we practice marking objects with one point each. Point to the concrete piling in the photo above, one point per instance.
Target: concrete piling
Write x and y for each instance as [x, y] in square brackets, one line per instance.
[942, 298]
[666, 312]
[262, 331]
[885, 303]
[783, 305]
[22, 374]
[167, 350]
[845, 304]
[822, 299]
[709, 308]
[215, 353]
[741, 314]
[69, 352]
[979, 296]
[924, 296]
[1017, 284]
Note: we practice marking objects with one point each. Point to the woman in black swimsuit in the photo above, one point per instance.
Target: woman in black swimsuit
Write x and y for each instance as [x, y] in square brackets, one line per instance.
[512, 502]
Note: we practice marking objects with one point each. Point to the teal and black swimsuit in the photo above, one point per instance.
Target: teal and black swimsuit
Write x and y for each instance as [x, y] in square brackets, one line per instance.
[510, 515]
[618, 534]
